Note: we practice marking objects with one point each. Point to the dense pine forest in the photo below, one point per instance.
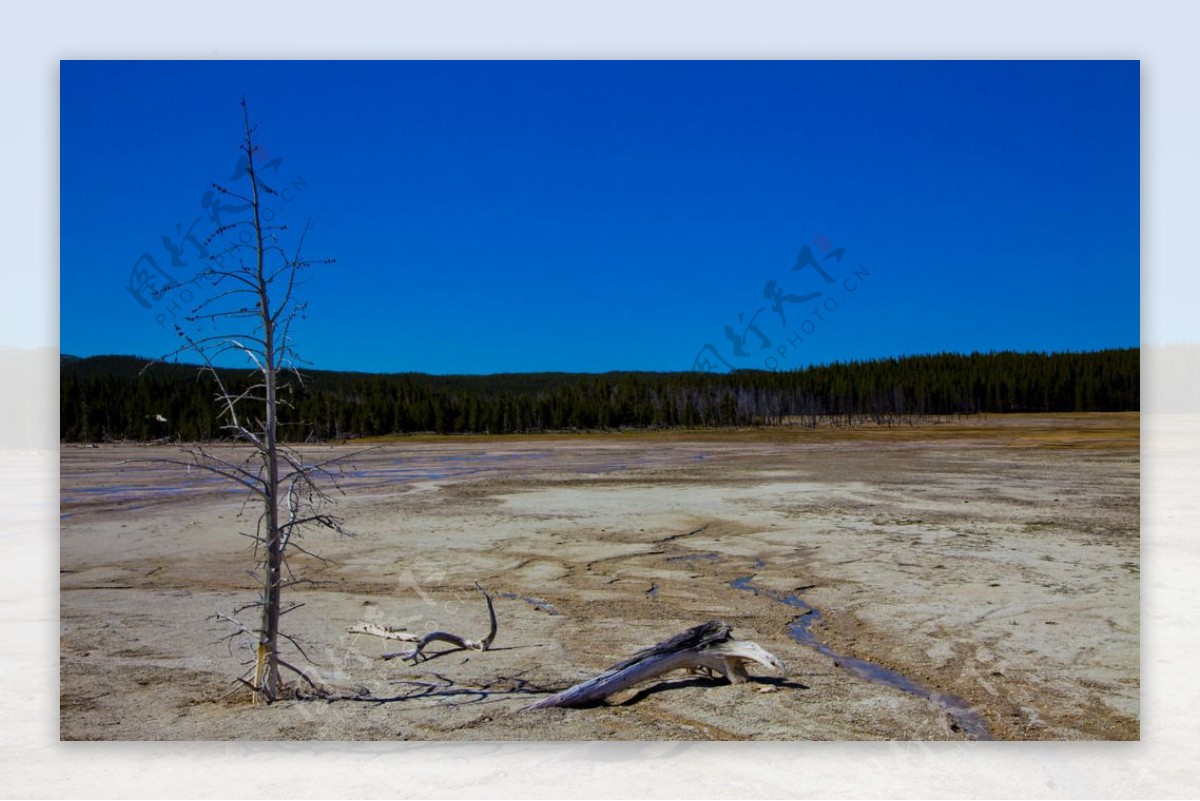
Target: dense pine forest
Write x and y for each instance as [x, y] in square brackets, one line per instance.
[105, 398]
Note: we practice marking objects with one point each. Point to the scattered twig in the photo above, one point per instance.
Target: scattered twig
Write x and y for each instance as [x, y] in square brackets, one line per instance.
[386, 632]
[433, 636]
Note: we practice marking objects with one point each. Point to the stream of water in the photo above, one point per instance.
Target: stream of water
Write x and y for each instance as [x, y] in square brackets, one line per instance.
[966, 719]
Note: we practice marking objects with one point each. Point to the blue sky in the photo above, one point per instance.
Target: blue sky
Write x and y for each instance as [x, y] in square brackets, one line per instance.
[591, 216]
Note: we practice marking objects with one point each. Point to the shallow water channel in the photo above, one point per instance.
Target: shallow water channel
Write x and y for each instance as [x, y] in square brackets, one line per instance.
[966, 719]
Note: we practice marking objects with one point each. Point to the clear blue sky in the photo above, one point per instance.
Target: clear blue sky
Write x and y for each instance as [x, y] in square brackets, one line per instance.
[591, 216]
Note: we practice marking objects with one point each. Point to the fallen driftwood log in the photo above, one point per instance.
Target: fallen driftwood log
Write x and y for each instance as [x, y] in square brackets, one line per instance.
[390, 633]
[707, 648]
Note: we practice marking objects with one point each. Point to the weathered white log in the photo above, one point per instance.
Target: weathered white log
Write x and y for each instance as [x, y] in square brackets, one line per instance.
[709, 647]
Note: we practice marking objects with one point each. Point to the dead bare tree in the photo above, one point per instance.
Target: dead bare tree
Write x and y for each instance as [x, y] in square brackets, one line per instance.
[246, 310]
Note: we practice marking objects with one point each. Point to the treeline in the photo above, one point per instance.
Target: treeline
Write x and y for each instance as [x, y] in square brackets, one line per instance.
[107, 398]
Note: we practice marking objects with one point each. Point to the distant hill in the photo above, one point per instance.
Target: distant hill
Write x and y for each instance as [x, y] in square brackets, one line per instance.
[119, 397]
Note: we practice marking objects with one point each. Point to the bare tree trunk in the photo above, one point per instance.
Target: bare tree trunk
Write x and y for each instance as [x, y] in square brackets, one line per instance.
[266, 674]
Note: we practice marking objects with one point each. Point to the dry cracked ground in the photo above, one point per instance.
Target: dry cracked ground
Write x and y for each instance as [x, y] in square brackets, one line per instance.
[952, 580]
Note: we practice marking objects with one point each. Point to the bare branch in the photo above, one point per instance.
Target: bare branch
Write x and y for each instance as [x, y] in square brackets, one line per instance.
[453, 639]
